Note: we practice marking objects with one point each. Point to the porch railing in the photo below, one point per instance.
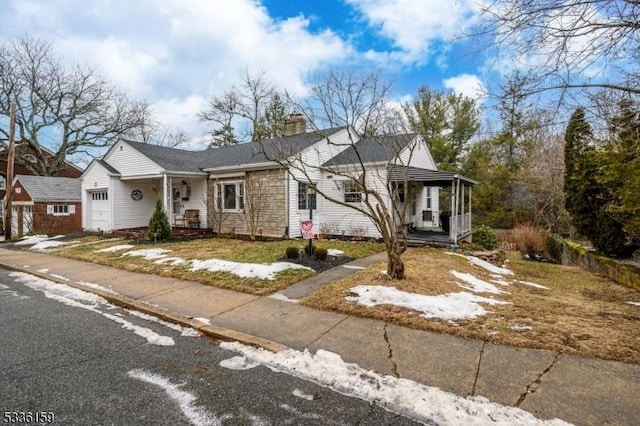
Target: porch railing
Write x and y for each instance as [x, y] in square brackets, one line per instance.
[460, 224]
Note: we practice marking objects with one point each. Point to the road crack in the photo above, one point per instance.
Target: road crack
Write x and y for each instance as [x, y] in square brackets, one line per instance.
[475, 381]
[394, 366]
[533, 386]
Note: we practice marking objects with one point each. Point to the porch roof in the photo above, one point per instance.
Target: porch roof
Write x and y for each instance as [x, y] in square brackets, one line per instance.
[437, 178]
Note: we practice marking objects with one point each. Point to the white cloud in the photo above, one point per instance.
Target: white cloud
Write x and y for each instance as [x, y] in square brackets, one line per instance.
[467, 85]
[175, 54]
[414, 26]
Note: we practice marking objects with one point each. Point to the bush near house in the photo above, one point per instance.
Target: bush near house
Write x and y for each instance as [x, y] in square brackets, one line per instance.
[159, 224]
[292, 252]
[320, 253]
[485, 237]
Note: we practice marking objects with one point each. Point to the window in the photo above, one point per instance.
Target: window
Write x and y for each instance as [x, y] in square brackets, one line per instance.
[352, 193]
[3, 182]
[398, 192]
[30, 158]
[229, 195]
[428, 197]
[99, 196]
[305, 200]
[61, 209]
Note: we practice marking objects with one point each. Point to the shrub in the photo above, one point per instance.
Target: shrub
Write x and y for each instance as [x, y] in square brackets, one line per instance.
[529, 239]
[159, 224]
[292, 252]
[485, 237]
[320, 253]
[555, 245]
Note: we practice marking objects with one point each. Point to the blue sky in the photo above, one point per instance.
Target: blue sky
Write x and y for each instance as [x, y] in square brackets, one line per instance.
[176, 54]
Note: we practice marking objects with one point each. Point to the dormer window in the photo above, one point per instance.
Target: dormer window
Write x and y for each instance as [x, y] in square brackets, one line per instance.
[30, 158]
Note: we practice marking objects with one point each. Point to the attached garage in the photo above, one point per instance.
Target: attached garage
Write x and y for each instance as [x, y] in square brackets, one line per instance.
[99, 211]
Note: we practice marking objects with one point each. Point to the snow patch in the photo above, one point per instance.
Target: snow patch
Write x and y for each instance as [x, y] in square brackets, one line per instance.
[238, 363]
[149, 254]
[60, 277]
[97, 287]
[81, 299]
[335, 252]
[44, 271]
[530, 284]
[114, 249]
[634, 303]
[245, 270]
[185, 400]
[451, 306]
[206, 321]
[402, 396]
[475, 284]
[35, 239]
[300, 394]
[521, 328]
[484, 264]
[282, 297]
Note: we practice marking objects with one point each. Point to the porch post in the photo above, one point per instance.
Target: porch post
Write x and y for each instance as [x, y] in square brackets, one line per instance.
[462, 221]
[165, 193]
[470, 218]
[452, 215]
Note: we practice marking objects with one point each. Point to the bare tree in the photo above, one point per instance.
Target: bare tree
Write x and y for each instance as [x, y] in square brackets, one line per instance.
[153, 132]
[76, 108]
[216, 214]
[569, 44]
[256, 201]
[377, 192]
[245, 102]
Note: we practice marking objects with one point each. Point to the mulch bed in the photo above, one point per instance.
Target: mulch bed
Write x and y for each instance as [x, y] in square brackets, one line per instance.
[318, 265]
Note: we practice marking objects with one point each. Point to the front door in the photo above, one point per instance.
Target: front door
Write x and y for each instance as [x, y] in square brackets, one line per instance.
[176, 199]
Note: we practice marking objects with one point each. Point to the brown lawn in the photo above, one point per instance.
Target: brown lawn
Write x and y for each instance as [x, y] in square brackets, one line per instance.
[579, 313]
[215, 248]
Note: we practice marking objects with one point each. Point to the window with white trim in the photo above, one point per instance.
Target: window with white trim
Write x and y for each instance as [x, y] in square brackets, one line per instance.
[428, 191]
[3, 182]
[305, 200]
[229, 196]
[61, 209]
[30, 158]
[352, 192]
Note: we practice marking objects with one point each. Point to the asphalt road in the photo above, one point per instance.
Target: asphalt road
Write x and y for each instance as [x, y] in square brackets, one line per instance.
[83, 367]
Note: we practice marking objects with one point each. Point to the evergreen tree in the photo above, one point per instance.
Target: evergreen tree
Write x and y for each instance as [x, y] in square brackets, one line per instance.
[159, 224]
[590, 189]
[223, 136]
[446, 121]
[272, 123]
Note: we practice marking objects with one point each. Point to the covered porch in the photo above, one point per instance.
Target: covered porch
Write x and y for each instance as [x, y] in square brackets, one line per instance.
[453, 224]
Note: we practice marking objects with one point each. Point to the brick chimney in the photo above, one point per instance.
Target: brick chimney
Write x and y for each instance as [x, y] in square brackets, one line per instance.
[295, 124]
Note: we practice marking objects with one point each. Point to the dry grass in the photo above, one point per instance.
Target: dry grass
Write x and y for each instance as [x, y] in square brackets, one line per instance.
[218, 248]
[579, 313]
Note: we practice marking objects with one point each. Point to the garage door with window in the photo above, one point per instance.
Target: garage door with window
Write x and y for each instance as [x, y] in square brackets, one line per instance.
[100, 211]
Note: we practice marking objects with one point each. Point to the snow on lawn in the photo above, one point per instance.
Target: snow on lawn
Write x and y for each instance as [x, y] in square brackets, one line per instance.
[335, 252]
[634, 303]
[402, 396]
[476, 285]
[34, 239]
[530, 284]
[149, 254]
[484, 264]
[114, 249]
[245, 270]
[521, 328]
[91, 302]
[450, 306]
[47, 244]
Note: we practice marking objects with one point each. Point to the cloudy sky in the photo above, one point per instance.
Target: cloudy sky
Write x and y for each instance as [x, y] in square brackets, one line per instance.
[176, 54]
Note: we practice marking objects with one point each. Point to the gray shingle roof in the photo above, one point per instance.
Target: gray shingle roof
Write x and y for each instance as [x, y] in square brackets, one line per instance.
[107, 166]
[174, 159]
[401, 173]
[372, 150]
[47, 188]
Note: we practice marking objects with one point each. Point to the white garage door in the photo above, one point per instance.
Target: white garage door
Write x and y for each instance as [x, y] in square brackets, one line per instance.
[100, 211]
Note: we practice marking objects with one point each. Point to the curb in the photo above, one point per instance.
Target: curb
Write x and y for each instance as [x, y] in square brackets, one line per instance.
[212, 331]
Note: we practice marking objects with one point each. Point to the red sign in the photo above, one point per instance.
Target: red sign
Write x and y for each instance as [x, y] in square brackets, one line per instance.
[306, 227]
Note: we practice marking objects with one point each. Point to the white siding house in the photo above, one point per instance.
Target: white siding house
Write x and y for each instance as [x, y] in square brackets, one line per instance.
[120, 191]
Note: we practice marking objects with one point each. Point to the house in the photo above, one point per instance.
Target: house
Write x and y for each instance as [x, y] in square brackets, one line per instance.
[46, 205]
[27, 154]
[266, 187]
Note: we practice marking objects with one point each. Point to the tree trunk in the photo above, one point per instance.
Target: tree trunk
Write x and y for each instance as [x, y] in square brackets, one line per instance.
[395, 265]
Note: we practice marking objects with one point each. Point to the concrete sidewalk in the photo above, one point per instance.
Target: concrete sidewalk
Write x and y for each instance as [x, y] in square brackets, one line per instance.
[580, 390]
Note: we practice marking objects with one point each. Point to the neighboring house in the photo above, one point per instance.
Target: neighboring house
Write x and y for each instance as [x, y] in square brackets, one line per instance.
[44, 204]
[240, 189]
[27, 154]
